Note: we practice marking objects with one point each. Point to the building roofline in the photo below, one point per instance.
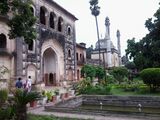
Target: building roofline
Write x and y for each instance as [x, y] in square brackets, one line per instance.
[61, 8]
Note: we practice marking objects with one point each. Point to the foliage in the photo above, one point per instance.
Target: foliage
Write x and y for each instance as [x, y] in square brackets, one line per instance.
[86, 87]
[97, 90]
[95, 9]
[49, 94]
[56, 91]
[100, 72]
[4, 8]
[146, 52]
[6, 113]
[92, 71]
[83, 85]
[110, 79]
[88, 71]
[151, 77]
[21, 98]
[119, 73]
[23, 21]
[49, 117]
[130, 65]
[3, 96]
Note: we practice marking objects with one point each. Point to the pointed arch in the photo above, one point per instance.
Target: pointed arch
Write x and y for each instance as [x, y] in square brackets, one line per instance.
[31, 45]
[52, 20]
[43, 12]
[3, 40]
[68, 30]
[60, 24]
[69, 53]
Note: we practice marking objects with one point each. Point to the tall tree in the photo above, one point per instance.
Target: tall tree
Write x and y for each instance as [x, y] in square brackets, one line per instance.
[146, 52]
[95, 11]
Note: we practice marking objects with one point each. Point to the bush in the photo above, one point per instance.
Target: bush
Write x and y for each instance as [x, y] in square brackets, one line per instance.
[151, 77]
[88, 71]
[3, 96]
[119, 73]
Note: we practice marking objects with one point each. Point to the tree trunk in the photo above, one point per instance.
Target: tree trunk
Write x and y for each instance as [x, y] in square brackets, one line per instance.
[21, 113]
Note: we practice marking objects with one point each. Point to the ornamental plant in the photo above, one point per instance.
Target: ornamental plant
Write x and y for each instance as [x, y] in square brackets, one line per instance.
[151, 77]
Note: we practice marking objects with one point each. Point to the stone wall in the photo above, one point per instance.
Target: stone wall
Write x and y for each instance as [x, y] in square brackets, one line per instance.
[145, 101]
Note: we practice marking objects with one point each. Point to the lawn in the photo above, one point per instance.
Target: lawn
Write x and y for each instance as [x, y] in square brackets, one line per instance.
[43, 117]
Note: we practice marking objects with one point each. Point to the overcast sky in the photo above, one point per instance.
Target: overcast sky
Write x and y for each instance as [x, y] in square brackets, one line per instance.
[128, 16]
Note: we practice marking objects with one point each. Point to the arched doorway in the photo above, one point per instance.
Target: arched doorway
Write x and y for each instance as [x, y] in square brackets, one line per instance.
[49, 67]
[31, 71]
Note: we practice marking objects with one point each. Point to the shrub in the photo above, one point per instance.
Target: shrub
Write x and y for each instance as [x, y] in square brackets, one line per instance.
[83, 85]
[151, 77]
[88, 71]
[3, 96]
[119, 73]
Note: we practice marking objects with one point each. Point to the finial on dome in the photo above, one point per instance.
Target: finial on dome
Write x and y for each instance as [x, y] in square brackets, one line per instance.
[118, 33]
[107, 23]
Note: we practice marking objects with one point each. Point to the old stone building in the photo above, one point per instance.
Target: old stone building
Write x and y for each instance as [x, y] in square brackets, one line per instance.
[109, 55]
[51, 58]
[80, 58]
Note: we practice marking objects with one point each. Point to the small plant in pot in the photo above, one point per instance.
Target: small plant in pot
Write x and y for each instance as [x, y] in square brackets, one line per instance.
[57, 93]
[44, 97]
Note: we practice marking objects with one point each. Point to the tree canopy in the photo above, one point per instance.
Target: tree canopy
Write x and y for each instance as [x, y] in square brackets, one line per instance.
[22, 22]
[146, 52]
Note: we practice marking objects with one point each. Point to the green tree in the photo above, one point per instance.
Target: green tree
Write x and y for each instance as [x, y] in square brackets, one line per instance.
[119, 73]
[146, 52]
[4, 8]
[100, 73]
[23, 21]
[88, 71]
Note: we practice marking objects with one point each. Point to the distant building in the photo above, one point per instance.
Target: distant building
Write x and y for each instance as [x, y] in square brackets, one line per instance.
[109, 55]
[80, 58]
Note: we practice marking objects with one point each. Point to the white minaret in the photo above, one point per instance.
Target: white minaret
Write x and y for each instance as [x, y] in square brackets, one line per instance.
[108, 42]
[119, 47]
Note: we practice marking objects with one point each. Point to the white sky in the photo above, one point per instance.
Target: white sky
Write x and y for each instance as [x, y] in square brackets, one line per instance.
[128, 16]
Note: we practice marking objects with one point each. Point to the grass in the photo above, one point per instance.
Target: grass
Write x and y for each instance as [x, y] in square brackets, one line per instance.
[45, 117]
[144, 90]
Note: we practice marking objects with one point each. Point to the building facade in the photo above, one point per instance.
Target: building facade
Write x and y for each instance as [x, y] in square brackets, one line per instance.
[80, 58]
[51, 58]
[109, 55]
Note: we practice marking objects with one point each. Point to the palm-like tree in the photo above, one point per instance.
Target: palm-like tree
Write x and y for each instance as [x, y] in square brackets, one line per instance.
[95, 11]
[21, 98]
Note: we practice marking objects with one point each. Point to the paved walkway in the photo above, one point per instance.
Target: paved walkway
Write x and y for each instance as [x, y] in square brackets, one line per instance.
[41, 111]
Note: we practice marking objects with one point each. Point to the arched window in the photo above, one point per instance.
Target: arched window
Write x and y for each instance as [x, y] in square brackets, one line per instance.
[31, 45]
[52, 20]
[69, 53]
[77, 56]
[80, 56]
[3, 41]
[32, 10]
[60, 22]
[43, 15]
[69, 31]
